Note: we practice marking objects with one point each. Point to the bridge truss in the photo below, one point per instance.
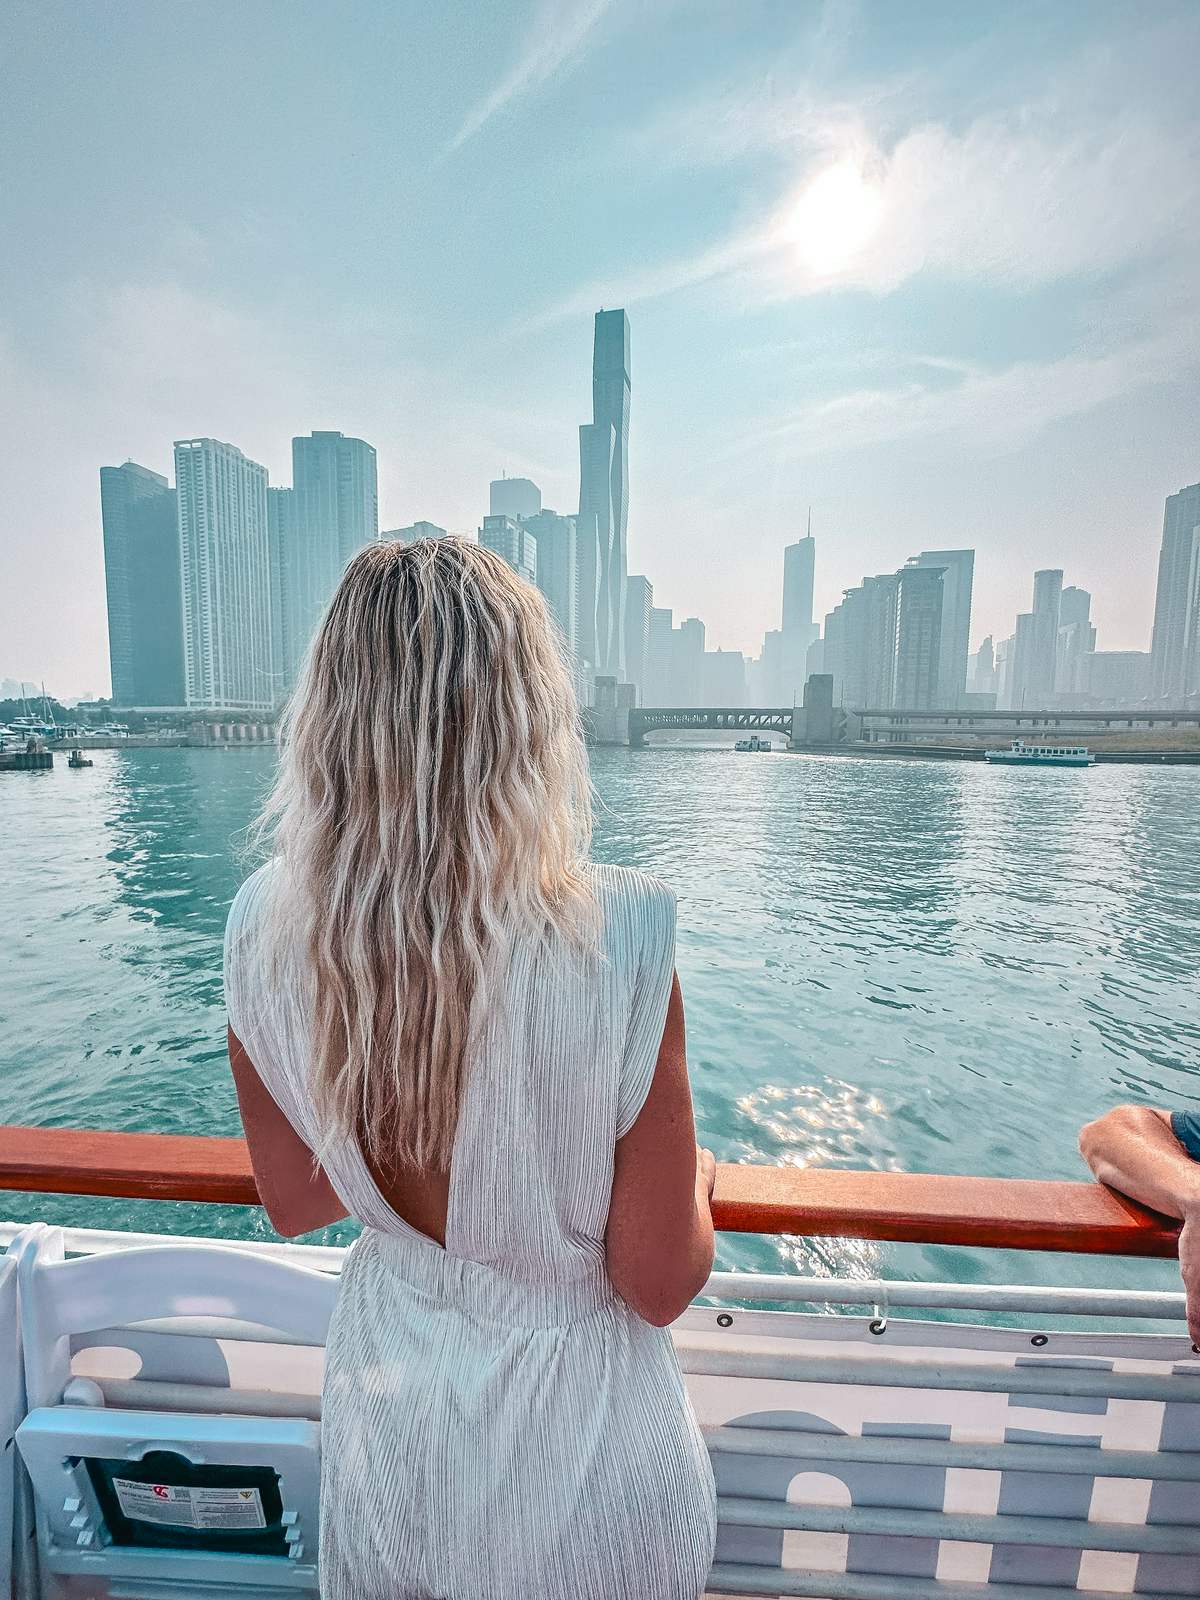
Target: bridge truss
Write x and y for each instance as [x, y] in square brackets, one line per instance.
[757, 719]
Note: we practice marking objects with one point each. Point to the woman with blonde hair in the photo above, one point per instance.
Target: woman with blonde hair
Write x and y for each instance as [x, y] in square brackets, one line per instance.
[446, 1023]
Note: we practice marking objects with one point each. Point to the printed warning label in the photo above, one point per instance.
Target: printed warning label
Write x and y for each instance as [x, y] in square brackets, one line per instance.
[182, 1507]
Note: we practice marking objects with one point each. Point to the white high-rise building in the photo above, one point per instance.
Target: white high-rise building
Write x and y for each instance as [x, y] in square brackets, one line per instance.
[798, 630]
[557, 571]
[337, 513]
[604, 500]
[958, 577]
[1175, 651]
[512, 540]
[225, 573]
[639, 603]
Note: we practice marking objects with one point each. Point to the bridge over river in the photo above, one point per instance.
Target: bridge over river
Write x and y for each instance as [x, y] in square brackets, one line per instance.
[824, 724]
[739, 719]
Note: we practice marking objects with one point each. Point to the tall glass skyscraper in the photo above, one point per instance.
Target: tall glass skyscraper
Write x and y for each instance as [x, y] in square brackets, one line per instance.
[226, 578]
[1175, 649]
[336, 513]
[604, 501]
[958, 579]
[798, 630]
[141, 577]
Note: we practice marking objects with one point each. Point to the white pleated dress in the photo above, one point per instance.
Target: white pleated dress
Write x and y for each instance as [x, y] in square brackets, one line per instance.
[497, 1423]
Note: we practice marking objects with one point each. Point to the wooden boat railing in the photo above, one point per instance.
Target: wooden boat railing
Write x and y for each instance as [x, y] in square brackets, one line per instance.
[921, 1208]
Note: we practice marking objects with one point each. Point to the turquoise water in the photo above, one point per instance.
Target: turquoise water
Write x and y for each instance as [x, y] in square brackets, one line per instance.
[901, 965]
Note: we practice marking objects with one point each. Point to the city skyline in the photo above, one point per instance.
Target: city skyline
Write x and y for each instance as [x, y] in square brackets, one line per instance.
[945, 307]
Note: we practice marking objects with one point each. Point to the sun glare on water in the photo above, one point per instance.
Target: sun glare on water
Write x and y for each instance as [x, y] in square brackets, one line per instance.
[835, 217]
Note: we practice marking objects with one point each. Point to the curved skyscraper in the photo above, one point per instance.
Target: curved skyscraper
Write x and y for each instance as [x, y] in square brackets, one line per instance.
[604, 501]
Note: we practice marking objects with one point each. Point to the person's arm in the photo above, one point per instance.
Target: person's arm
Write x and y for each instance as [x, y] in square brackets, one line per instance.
[659, 1241]
[1134, 1149]
[296, 1194]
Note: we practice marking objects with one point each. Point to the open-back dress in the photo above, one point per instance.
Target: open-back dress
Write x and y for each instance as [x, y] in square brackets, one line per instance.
[497, 1424]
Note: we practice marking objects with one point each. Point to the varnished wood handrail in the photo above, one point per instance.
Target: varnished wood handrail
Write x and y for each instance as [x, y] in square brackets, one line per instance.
[998, 1213]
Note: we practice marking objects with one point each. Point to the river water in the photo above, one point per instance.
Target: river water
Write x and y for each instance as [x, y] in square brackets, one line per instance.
[925, 966]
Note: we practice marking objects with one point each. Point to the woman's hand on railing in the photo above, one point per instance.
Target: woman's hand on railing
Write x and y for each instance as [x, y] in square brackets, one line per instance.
[706, 1171]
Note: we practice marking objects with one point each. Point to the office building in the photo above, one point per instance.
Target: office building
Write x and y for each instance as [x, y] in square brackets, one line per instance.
[958, 578]
[604, 499]
[981, 669]
[1119, 679]
[639, 603]
[687, 663]
[511, 539]
[226, 578]
[556, 571]
[514, 497]
[336, 513]
[918, 681]
[1035, 647]
[414, 531]
[1175, 645]
[659, 685]
[798, 629]
[770, 676]
[799, 569]
[142, 586]
[1076, 641]
[723, 678]
[287, 643]
[883, 641]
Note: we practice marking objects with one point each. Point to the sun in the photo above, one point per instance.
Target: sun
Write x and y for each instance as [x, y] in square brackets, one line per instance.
[835, 217]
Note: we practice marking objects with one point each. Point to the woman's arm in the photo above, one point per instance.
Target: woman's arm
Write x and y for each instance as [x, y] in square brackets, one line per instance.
[1133, 1149]
[659, 1242]
[296, 1194]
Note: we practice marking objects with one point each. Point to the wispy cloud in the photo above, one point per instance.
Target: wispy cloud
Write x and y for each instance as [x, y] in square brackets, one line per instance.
[996, 204]
[557, 39]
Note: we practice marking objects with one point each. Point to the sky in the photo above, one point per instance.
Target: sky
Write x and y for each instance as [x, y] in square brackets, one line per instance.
[930, 269]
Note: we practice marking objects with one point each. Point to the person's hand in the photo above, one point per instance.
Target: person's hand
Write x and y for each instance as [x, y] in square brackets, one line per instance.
[706, 1171]
[1189, 1267]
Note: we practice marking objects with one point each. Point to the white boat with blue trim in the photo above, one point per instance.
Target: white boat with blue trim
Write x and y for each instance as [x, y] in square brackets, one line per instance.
[1020, 754]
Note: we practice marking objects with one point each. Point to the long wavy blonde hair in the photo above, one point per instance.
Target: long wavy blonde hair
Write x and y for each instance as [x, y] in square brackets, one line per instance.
[432, 808]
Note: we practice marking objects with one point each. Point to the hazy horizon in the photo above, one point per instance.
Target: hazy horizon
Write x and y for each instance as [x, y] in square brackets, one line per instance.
[928, 268]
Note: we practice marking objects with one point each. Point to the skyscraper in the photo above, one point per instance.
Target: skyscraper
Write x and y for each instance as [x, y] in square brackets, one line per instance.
[1175, 646]
[919, 615]
[514, 497]
[141, 577]
[556, 574]
[639, 603]
[798, 630]
[981, 677]
[799, 567]
[958, 574]
[226, 577]
[336, 514]
[1076, 642]
[1036, 644]
[659, 685]
[604, 500]
[512, 540]
[286, 645]
[687, 662]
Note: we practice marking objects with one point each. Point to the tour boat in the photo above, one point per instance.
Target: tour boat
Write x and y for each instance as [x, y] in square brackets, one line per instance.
[870, 1441]
[1020, 754]
[753, 743]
